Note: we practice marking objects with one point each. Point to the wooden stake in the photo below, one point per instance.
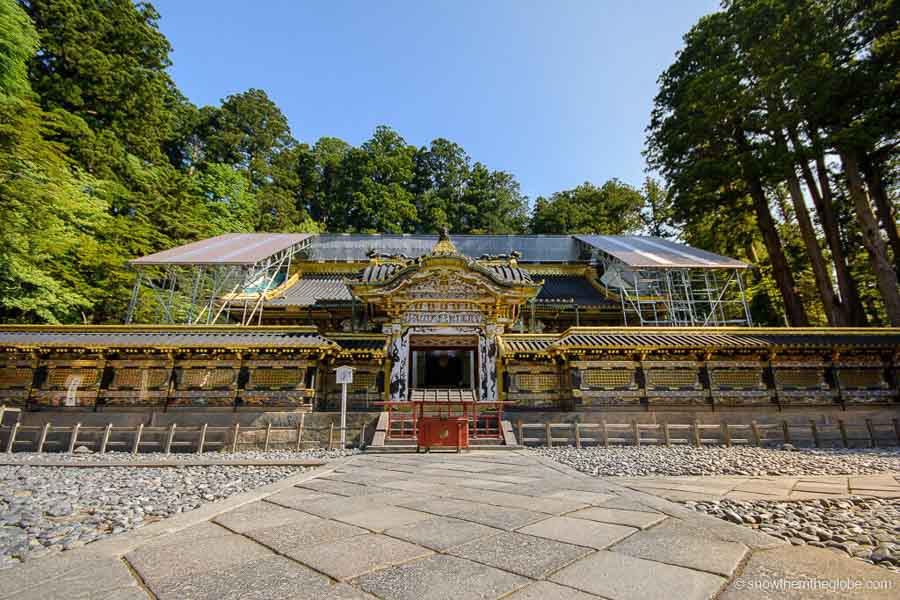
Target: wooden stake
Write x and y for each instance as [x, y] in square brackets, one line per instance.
[268, 435]
[577, 435]
[234, 437]
[872, 441]
[843, 429]
[12, 437]
[897, 430]
[331, 435]
[169, 439]
[786, 430]
[202, 439]
[137, 438]
[300, 432]
[815, 433]
[43, 439]
[754, 429]
[106, 433]
[636, 433]
[520, 430]
[74, 439]
[667, 439]
[726, 434]
[548, 435]
[695, 430]
[2, 411]
[604, 434]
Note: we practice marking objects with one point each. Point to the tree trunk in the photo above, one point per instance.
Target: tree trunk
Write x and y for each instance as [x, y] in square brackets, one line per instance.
[884, 270]
[872, 172]
[793, 306]
[852, 307]
[833, 310]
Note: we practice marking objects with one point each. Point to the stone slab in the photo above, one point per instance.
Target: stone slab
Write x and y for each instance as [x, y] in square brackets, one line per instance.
[297, 498]
[579, 532]
[285, 539]
[675, 543]
[260, 515]
[441, 533]
[522, 554]
[178, 557]
[624, 503]
[545, 590]
[441, 577]
[592, 498]
[355, 556]
[69, 577]
[383, 517]
[631, 518]
[274, 577]
[766, 574]
[620, 577]
[498, 516]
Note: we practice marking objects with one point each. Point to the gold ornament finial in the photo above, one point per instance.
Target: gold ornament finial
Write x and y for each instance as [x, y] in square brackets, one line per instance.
[444, 246]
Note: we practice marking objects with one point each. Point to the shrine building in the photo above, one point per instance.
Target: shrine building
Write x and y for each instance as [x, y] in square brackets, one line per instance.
[259, 321]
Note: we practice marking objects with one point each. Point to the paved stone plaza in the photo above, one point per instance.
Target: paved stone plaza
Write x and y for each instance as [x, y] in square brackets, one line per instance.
[476, 525]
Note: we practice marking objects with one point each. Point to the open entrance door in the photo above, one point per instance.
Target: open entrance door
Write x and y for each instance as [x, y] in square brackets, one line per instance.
[443, 362]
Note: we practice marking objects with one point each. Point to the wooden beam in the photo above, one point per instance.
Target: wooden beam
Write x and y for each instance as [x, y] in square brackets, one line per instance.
[202, 441]
[12, 437]
[170, 437]
[74, 438]
[106, 433]
[43, 439]
[137, 438]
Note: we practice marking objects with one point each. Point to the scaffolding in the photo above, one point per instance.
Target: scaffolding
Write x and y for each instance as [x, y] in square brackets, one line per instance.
[212, 290]
[703, 294]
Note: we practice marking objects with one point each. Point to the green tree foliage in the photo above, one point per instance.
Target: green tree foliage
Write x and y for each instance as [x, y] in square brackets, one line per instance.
[788, 109]
[611, 209]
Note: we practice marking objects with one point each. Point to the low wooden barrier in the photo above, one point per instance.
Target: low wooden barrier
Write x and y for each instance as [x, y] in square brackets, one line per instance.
[198, 439]
[848, 435]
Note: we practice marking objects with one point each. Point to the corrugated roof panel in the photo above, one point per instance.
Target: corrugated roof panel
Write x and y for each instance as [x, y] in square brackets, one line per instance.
[645, 252]
[227, 249]
[356, 247]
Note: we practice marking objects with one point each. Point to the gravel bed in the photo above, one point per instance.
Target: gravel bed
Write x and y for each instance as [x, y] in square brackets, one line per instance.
[86, 456]
[629, 461]
[47, 509]
[865, 528]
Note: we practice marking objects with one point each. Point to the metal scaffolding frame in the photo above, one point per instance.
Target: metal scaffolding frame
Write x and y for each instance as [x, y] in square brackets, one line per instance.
[209, 293]
[697, 296]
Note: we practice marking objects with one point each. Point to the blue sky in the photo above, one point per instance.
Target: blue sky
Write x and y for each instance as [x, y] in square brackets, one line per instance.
[556, 92]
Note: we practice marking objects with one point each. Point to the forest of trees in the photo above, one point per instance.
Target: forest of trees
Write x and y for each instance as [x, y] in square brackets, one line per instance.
[775, 130]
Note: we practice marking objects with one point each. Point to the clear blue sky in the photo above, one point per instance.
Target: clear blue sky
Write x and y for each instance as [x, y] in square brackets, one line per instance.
[556, 92]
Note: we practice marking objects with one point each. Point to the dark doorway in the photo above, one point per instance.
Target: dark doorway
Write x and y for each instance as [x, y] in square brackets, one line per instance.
[443, 368]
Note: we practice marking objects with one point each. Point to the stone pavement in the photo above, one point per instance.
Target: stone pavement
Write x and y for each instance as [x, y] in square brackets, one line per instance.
[477, 525]
[681, 489]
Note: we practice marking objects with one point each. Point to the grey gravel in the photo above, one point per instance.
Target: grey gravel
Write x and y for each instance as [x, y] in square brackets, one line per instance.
[630, 461]
[155, 457]
[48, 509]
[865, 528]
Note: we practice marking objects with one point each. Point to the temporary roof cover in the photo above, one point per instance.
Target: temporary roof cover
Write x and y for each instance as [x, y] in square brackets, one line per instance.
[227, 249]
[644, 252]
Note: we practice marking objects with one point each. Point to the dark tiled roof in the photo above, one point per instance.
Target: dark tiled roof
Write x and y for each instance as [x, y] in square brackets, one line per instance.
[365, 343]
[167, 337]
[378, 273]
[698, 338]
[510, 274]
[570, 289]
[528, 343]
[315, 288]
